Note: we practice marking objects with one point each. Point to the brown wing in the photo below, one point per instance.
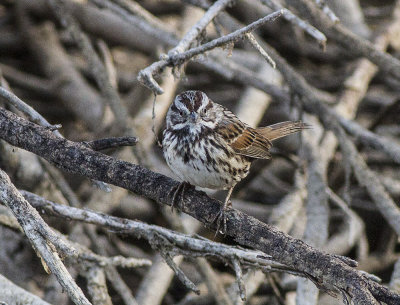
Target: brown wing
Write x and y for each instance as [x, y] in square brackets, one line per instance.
[252, 144]
[245, 140]
[242, 138]
[282, 129]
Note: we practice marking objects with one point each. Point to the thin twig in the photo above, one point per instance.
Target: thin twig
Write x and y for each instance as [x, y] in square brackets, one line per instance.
[264, 54]
[119, 285]
[289, 16]
[239, 278]
[179, 273]
[146, 75]
[218, 42]
[325, 8]
[197, 28]
[349, 41]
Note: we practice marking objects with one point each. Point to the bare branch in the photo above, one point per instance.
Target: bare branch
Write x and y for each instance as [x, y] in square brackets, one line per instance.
[31, 113]
[350, 41]
[264, 54]
[107, 143]
[325, 8]
[175, 59]
[12, 294]
[200, 26]
[289, 16]
[41, 237]
[69, 85]
[239, 279]
[120, 286]
[79, 159]
[179, 243]
[390, 147]
[370, 181]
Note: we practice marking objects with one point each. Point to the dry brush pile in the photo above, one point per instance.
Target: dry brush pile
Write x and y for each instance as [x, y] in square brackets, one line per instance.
[85, 191]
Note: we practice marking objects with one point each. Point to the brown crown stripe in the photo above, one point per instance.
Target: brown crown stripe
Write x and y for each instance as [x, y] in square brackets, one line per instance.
[192, 100]
[186, 101]
[198, 100]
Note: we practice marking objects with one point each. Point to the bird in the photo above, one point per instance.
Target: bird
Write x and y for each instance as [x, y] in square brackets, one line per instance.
[206, 145]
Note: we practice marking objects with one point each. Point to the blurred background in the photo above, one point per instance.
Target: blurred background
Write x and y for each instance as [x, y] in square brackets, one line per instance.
[77, 64]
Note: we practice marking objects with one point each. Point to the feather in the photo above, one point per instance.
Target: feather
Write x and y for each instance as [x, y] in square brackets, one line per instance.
[252, 144]
[244, 140]
[282, 129]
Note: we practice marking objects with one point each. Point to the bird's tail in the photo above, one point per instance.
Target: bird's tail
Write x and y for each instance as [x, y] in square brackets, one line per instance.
[282, 129]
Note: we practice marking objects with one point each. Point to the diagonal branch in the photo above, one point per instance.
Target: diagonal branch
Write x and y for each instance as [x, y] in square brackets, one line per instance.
[328, 271]
[177, 58]
[41, 237]
[31, 113]
[196, 29]
[232, 37]
[348, 40]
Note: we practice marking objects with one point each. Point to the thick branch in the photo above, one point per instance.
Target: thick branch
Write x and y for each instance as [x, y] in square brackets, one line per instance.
[328, 271]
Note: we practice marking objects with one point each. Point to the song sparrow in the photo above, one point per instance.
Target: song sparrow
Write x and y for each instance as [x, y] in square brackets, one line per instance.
[206, 145]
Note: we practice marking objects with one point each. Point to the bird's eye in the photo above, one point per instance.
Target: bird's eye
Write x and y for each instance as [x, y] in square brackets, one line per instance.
[181, 113]
[203, 111]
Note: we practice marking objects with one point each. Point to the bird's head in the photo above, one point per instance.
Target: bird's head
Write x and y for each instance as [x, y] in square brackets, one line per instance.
[192, 111]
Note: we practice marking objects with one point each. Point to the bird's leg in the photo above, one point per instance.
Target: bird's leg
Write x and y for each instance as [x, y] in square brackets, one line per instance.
[179, 191]
[221, 217]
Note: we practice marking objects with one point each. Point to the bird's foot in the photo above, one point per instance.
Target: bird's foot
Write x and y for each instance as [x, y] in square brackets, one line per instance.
[221, 219]
[177, 192]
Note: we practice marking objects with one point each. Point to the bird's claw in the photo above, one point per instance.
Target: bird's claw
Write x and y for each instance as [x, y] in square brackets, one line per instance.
[221, 217]
[178, 191]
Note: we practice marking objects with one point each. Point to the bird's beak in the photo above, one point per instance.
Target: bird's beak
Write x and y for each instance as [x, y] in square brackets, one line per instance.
[193, 117]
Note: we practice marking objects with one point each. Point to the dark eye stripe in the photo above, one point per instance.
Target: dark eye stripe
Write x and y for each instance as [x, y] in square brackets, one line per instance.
[174, 108]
